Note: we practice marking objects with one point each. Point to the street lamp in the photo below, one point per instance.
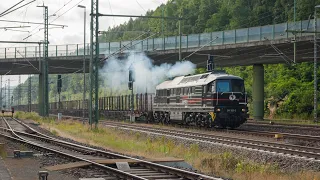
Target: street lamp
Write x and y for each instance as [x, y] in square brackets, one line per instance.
[315, 99]
[84, 62]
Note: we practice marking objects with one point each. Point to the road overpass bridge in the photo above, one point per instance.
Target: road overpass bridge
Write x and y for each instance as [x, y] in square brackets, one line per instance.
[239, 47]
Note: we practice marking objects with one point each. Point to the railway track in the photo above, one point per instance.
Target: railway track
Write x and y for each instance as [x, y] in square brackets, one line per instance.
[275, 147]
[284, 125]
[75, 152]
[256, 132]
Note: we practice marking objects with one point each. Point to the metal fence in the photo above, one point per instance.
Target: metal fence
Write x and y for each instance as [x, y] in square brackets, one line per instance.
[271, 32]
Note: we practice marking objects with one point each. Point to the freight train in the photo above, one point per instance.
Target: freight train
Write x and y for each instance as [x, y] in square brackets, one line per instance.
[213, 99]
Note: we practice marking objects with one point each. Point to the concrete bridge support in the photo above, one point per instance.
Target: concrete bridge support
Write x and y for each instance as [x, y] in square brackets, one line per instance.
[258, 91]
[40, 94]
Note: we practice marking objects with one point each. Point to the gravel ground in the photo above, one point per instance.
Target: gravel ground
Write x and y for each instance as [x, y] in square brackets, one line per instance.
[27, 168]
[286, 163]
[239, 134]
[31, 166]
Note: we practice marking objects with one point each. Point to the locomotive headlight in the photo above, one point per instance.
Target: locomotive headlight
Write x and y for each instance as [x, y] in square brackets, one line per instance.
[244, 110]
[218, 110]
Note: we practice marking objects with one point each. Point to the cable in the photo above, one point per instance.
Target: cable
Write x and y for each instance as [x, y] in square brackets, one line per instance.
[114, 22]
[200, 48]
[12, 7]
[55, 18]
[17, 8]
[141, 6]
[63, 6]
[53, 13]
[67, 11]
[27, 22]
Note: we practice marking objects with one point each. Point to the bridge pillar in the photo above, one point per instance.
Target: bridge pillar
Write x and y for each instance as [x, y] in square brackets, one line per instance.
[40, 92]
[258, 91]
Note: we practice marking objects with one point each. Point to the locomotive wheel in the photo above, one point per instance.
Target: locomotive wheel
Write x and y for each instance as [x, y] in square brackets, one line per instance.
[209, 123]
[167, 120]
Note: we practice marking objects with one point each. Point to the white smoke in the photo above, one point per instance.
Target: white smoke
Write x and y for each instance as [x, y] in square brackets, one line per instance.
[115, 73]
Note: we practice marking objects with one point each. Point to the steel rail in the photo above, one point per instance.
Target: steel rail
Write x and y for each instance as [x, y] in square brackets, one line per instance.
[113, 171]
[248, 143]
[259, 133]
[272, 134]
[285, 125]
[151, 165]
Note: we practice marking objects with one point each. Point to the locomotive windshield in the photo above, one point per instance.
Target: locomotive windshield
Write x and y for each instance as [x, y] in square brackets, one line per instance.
[233, 85]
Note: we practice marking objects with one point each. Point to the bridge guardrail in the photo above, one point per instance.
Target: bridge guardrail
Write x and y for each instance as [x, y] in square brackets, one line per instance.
[243, 35]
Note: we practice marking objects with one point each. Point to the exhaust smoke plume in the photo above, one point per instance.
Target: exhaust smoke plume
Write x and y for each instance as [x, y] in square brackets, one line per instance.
[147, 76]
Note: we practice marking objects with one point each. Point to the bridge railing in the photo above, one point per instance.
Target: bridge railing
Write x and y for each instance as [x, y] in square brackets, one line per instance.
[244, 35]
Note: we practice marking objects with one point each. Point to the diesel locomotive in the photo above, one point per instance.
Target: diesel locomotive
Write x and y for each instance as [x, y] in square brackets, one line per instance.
[210, 99]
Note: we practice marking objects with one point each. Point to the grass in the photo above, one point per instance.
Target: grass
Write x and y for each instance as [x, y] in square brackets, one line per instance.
[225, 164]
[3, 152]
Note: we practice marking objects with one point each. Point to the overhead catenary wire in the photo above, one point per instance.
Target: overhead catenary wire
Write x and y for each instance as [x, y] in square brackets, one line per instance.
[141, 6]
[12, 7]
[200, 48]
[114, 21]
[16, 30]
[53, 13]
[28, 22]
[113, 54]
[17, 8]
[54, 19]
[28, 61]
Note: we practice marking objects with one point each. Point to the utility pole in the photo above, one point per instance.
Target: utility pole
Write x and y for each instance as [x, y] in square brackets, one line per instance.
[180, 40]
[164, 41]
[315, 71]
[295, 35]
[84, 64]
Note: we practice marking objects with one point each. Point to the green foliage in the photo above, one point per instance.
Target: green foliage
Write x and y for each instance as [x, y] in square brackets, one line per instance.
[288, 89]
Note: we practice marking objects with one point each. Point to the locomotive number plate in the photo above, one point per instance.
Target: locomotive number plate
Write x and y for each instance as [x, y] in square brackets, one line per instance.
[231, 110]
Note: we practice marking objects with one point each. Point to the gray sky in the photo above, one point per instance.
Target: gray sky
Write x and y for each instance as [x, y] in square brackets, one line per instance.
[67, 15]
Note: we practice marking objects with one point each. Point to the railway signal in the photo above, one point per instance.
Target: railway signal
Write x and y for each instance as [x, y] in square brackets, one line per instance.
[130, 85]
[210, 64]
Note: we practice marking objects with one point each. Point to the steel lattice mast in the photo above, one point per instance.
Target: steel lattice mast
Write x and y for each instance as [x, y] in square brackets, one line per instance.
[43, 77]
[1, 93]
[94, 61]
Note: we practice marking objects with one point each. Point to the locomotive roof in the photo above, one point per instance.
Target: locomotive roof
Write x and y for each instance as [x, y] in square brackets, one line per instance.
[194, 80]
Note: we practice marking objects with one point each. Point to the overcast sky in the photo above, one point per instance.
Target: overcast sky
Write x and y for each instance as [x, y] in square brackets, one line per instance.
[66, 13]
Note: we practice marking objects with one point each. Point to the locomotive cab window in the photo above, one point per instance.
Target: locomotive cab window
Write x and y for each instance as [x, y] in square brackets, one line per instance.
[237, 85]
[223, 86]
[233, 85]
